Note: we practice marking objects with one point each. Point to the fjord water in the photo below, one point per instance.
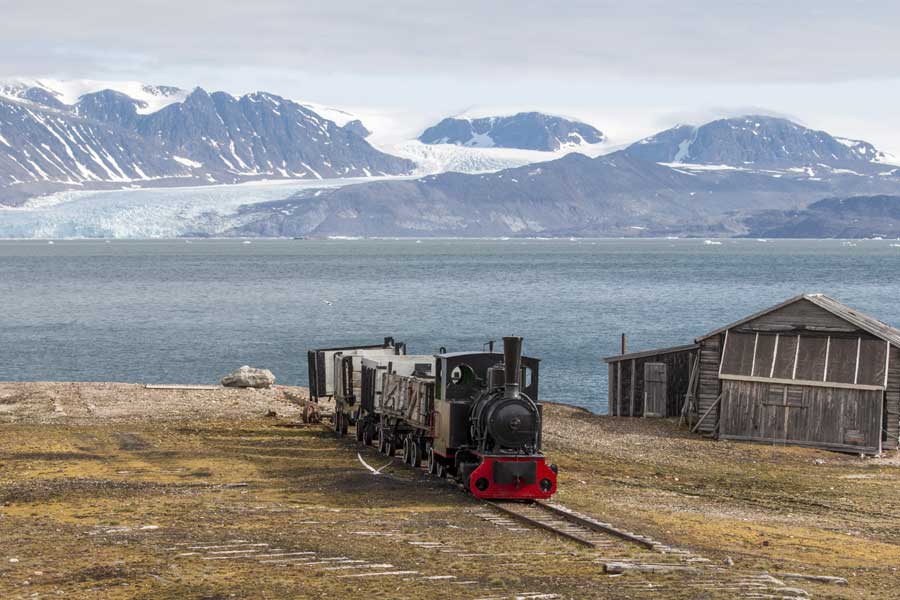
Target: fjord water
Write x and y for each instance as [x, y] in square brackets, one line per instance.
[189, 311]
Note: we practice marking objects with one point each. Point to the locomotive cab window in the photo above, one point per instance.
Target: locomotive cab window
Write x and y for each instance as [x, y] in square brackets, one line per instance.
[462, 375]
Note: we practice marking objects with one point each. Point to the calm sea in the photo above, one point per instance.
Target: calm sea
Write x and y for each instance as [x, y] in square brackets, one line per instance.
[188, 312]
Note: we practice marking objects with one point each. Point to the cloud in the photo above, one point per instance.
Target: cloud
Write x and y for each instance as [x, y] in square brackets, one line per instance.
[630, 68]
[697, 40]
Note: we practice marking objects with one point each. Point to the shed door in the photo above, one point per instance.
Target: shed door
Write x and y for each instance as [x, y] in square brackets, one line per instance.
[655, 389]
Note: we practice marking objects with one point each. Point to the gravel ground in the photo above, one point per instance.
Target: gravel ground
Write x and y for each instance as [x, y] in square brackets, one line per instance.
[112, 490]
[65, 402]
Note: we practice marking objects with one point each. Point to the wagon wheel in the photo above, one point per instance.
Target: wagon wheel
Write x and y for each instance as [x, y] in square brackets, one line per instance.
[338, 428]
[440, 469]
[415, 454]
[382, 447]
[367, 436]
[407, 450]
[360, 429]
[431, 462]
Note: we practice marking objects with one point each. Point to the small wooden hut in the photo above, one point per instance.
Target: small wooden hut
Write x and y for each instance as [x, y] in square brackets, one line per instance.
[650, 384]
[810, 371]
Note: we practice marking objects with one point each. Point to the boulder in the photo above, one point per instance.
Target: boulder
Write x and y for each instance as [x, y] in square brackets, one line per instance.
[249, 377]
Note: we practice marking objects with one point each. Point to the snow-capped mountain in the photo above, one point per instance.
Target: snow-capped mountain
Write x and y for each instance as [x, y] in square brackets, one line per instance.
[727, 177]
[85, 135]
[60, 93]
[525, 131]
[752, 140]
[647, 189]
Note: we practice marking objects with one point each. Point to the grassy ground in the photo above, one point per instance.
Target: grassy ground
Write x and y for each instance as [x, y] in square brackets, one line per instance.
[766, 507]
[254, 507]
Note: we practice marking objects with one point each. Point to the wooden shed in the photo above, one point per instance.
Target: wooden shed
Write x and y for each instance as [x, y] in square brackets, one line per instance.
[650, 384]
[810, 371]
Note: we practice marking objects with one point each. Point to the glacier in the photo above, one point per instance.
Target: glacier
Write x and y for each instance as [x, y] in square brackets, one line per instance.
[432, 159]
[149, 212]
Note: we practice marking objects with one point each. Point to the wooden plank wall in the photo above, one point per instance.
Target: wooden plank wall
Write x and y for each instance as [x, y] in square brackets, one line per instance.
[802, 312]
[820, 417]
[892, 403]
[623, 398]
[678, 371]
[611, 391]
[708, 388]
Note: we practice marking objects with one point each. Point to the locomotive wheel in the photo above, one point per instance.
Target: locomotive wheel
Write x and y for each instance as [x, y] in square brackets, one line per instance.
[440, 469]
[345, 424]
[415, 454]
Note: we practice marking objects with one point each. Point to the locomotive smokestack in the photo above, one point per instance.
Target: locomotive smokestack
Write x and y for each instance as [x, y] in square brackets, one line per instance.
[512, 363]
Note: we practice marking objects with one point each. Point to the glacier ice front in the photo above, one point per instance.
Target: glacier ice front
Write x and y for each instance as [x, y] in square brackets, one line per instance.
[147, 213]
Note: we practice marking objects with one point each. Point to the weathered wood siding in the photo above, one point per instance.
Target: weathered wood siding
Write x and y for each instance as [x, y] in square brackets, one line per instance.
[802, 314]
[808, 357]
[708, 385]
[831, 418]
[622, 397]
[611, 390]
[892, 403]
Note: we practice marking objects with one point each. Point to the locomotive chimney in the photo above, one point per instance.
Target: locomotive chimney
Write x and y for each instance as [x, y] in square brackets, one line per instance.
[512, 365]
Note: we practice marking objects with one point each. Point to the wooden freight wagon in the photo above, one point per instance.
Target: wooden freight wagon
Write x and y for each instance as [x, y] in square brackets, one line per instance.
[810, 371]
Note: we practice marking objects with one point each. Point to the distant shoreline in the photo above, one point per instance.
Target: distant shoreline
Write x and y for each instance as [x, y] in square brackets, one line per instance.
[341, 238]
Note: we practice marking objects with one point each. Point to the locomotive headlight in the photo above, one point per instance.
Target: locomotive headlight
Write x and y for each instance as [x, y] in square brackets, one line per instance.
[482, 484]
[546, 485]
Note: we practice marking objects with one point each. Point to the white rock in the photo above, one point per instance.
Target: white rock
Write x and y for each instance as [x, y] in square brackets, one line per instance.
[249, 377]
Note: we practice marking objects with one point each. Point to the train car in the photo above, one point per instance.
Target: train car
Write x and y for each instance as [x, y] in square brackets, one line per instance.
[483, 425]
[383, 399]
[405, 415]
[335, 373]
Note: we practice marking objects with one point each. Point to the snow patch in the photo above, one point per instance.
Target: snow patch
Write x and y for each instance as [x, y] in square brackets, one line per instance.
[441, 158]
[193, 164]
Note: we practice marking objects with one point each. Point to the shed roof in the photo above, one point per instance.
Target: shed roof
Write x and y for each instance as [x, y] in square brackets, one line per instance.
[655, 352]
[839, 309]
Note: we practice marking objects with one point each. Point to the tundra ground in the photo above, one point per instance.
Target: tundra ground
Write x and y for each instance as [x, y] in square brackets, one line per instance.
[113, 491]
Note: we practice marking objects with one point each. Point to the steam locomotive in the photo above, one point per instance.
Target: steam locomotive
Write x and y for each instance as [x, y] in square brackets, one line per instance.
[474, 416]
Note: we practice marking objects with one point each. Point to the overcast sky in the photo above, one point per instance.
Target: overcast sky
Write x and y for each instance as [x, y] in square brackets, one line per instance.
[628, 67]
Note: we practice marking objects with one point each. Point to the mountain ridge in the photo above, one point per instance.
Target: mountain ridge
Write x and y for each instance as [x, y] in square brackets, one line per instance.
[625, 193]
[525, 131]
[109, 139]
[751, 139]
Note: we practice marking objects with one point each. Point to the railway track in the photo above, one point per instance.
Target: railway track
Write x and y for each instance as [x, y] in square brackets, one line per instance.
[573, 526]
[647, 557]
